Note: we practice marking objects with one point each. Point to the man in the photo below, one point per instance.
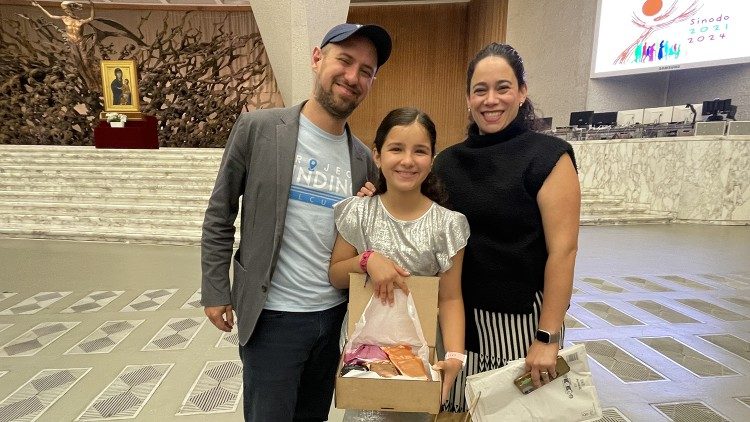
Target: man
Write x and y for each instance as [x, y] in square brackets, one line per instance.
[290, 166]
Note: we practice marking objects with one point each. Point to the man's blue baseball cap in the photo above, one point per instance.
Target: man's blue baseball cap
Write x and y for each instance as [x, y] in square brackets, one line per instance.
[374, 33]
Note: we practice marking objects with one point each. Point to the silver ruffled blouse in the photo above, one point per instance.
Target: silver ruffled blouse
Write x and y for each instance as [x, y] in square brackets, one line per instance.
[424, 246]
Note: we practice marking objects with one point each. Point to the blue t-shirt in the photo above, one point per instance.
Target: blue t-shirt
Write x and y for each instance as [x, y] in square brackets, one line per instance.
[321, 177]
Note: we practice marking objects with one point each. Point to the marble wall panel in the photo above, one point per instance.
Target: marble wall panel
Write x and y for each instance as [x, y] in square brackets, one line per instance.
[701, 179]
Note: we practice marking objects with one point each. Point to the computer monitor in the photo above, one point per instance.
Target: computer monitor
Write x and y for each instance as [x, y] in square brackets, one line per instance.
[607, 118]
[732, 112]
[683, 113]
[581, 118]
[630, 117]
[543, 123]
[657, 115]
[714, 107]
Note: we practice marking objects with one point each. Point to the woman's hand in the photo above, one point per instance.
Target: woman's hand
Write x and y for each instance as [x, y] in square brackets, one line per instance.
[385, 276]
[541, 361]
[450, 368]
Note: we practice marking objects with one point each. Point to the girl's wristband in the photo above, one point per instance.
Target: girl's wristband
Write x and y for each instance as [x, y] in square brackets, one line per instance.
[363, 261]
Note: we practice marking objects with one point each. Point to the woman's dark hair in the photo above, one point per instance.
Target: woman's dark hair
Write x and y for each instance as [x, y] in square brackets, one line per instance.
[526, 111]
[431, 186]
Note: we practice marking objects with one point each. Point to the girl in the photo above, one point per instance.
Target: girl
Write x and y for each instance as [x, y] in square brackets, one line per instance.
[404, 230]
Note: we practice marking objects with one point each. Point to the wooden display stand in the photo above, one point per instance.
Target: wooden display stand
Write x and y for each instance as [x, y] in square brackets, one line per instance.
[140, 133]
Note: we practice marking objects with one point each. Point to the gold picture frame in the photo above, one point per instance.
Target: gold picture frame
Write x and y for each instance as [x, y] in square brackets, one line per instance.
[120, 85]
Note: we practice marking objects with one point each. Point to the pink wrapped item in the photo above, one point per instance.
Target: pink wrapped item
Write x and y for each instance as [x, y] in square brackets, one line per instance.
[365, 353]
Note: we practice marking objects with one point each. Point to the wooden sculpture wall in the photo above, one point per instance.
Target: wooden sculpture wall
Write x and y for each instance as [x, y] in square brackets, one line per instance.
[197, 71]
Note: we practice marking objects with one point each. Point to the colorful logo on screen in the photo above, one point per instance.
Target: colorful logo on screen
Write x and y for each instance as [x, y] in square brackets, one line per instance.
[652, 18]
[662, 51]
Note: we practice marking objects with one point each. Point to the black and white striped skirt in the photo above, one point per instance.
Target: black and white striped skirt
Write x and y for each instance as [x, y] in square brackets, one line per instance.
[502, 338]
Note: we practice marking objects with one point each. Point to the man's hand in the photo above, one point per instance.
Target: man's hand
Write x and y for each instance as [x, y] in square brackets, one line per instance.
[367, 190]
[220, 316]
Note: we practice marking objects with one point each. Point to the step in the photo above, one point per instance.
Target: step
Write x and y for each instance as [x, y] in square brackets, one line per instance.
[106, 187]
[591, 201]
[598, 219]
[125, 235]
[184, 238]
[88, 161]
[80, 198]
[96, 171]
[70, 150]
[74, 177]
[43, 221]
[171, 212]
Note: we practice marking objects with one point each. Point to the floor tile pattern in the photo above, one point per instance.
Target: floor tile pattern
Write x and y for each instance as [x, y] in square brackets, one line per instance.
[730, 343]
[663, 312]
[5, 295]
[35, 303]
[105, 338]
[603, 285]
[647, 284]
[93, 301]
[36, 339]
[689, 411]
[150, 300]
[125, 397]
[194, 302]
[636, 325]
[619, 362]
[726, 280]
[610, 314]
[742, 301]
[686, 282]
[611, 414]
[176, 334]
[572, 322]
[713, 310]
[35, 396]
[230, 339]
[687, 357]
[218, 389]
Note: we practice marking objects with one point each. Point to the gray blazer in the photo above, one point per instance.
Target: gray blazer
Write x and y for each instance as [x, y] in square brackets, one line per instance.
[257, 165]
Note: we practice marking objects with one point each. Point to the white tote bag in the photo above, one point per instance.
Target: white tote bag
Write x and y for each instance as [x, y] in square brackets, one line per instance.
[568, 398]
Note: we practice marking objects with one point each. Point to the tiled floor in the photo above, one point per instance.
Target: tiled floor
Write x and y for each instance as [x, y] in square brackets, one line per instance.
[93, 331]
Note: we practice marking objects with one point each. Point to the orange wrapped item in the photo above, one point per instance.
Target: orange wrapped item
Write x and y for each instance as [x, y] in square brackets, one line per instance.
[405, 361]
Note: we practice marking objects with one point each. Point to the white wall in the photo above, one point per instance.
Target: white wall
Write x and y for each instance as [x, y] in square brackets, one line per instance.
[556, 37]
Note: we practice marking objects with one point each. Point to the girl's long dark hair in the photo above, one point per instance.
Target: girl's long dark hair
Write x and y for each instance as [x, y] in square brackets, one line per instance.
[431, 186]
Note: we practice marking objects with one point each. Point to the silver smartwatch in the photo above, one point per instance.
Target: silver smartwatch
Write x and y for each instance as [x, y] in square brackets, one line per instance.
[547, 337]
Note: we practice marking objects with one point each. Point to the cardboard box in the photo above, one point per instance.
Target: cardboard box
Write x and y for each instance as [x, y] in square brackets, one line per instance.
[391, 394]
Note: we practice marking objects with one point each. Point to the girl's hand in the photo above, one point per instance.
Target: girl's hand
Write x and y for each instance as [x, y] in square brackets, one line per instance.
[541, 362]
[386, 276]
[450, 368]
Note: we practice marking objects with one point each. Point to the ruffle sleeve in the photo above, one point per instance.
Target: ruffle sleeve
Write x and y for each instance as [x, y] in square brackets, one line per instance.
[348, 215]
[456, 235]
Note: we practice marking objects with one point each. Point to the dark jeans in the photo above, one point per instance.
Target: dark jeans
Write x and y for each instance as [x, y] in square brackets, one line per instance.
[290, 365]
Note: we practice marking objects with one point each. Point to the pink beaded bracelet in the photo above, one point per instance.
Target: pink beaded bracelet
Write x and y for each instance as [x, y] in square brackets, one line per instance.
[363, 261]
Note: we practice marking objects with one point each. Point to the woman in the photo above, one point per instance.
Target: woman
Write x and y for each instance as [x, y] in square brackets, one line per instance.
[403, 230]
[519, 191]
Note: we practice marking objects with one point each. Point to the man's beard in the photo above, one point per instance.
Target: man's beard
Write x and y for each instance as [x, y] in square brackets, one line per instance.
[328, 102]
